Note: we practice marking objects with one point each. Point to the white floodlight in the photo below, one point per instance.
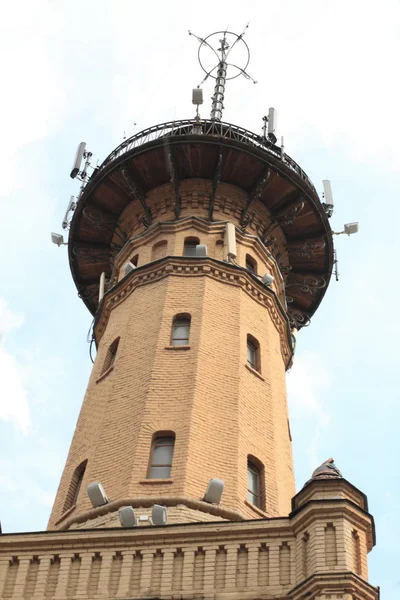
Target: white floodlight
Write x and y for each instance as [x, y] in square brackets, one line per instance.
[267, 279]
[128, 267]
[76, 166]
[272, 125]
[58, 239]
[97, 495]
[214, 491]
[159, 515]
[197, 96]
[351, 228]
[201, 250]
[127, 516]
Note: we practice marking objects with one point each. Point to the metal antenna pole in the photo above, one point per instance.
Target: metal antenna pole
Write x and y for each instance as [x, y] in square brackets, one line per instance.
[221, 66]
[220, 82]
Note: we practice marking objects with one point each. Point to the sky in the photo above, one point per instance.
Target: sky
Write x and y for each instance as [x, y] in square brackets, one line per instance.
[92, 70]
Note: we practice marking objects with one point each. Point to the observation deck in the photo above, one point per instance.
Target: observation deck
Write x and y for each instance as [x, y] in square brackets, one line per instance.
[221, 153]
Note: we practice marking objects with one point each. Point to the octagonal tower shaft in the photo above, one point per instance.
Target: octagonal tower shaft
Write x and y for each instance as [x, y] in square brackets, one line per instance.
[218, 396]
[222, 412]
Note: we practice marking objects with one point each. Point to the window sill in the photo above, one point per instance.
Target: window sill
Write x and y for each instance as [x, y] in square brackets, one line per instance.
[177, 347]
[67, 512]
[156, 481]
[257, 510]
[254, 372]
[103, 375]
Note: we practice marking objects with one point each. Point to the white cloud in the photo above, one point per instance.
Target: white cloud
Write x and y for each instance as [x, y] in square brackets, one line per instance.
[8, 319]
[34, 103]
[307, 382]
[14, 405]
[327, 67]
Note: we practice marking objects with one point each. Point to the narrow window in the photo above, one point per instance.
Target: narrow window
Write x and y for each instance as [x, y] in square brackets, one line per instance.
[253, 484]
[253, 353]
[134, 260]
[110, 356]
[251, 264]
[75, 486]
[189, 247]
[180, 330]
[159, 250]
[162, 452]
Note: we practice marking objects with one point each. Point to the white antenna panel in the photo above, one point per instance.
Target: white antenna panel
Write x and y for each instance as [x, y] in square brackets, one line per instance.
[78, 160]
[272, 124]
[328, 192]
[197, 96]
[71, 206]
[128, 267]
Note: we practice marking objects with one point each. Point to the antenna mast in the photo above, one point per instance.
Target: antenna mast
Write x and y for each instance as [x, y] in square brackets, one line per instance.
[222, 52]
[220, 81]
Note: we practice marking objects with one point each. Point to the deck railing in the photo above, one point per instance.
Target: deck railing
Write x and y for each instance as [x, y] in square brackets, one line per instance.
[209, 128]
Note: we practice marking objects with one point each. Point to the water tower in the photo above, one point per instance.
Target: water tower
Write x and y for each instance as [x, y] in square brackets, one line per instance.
[201, 250]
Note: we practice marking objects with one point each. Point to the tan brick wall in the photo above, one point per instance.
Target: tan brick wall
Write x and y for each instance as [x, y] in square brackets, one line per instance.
[201, 394]
[251, 559]
[219, 410]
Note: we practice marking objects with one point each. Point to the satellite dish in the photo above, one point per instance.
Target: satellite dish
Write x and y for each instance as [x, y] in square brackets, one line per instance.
[76, 166]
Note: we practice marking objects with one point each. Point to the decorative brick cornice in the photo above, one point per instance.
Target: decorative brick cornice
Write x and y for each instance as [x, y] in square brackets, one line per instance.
[345, 582]
[194, 267]
[203, 226]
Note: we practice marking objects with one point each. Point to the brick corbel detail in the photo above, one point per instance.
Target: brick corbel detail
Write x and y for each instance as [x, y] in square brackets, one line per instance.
[208, 267]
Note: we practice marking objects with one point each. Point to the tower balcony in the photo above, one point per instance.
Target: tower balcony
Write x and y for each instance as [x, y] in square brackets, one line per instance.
[218, 172]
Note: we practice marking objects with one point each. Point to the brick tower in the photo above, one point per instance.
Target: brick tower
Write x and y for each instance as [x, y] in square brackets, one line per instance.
[201, 249]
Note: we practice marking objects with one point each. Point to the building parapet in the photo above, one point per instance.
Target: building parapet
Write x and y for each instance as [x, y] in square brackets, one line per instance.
[318, 551]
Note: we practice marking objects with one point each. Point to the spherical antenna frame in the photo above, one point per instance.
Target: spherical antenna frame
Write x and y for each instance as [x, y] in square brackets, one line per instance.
[206, 43]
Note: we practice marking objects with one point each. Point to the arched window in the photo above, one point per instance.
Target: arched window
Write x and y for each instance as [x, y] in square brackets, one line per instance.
[111, 355]
[162, 452]
[251, 264]
[255, 482]
[180, 330]
[134, 260]
[75, 486]
[159, 250]
[253, 353]
[189, 247]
